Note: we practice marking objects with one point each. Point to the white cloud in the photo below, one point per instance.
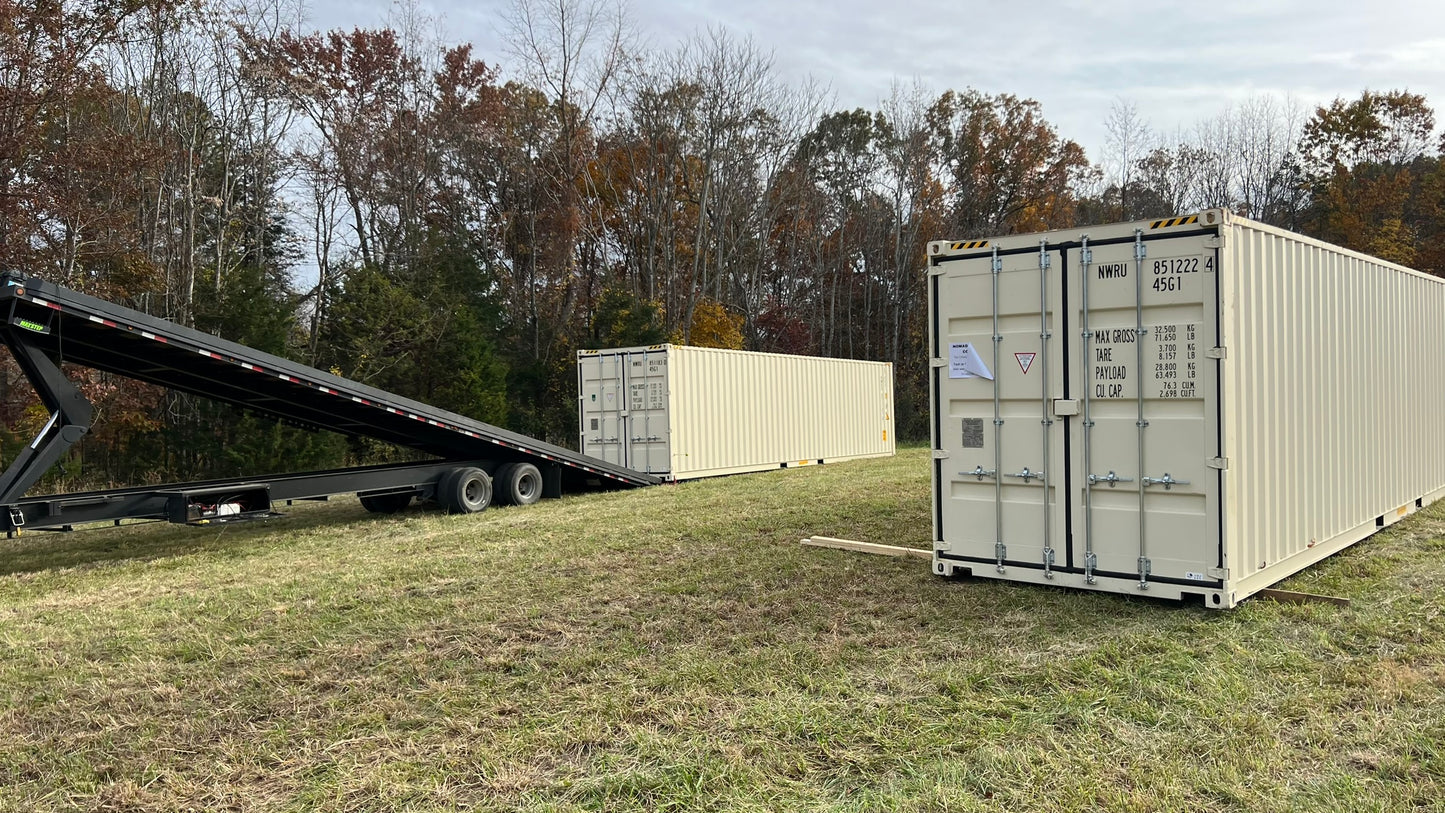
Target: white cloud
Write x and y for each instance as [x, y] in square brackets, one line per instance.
[1180, 63]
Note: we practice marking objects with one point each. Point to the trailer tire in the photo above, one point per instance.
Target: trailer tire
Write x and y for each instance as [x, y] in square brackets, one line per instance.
[518, 484]
[466, 491]
[385, 503]
[499, 488]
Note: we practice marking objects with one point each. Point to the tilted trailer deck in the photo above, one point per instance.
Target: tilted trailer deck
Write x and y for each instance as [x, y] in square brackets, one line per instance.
[46, 324]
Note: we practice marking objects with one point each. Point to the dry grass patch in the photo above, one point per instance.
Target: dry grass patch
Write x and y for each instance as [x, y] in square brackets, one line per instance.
[675, 648]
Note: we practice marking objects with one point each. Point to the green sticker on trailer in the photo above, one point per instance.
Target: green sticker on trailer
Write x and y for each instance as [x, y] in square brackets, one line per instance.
[29, 325]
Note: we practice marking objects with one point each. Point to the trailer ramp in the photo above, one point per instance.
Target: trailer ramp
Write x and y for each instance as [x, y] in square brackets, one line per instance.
[45, 323]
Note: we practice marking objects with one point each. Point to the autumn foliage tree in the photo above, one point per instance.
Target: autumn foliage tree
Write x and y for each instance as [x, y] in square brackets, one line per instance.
[388, 205]
[1372, 178]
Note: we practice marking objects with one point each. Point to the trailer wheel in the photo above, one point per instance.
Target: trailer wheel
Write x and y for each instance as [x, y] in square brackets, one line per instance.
[499, 487]
[385, 503]
[466, 491]
[518, 484]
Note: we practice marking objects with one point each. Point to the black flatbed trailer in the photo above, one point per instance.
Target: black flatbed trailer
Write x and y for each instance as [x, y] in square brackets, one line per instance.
[45, 325]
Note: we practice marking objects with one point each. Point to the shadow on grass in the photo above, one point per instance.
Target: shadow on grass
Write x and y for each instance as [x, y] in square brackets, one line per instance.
[150, 540]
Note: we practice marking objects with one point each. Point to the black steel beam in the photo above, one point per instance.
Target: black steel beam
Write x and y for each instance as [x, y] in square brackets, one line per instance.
[151, 502]
[69, 420]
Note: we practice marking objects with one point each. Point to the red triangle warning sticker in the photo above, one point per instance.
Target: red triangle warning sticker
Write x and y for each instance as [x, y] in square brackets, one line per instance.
[1026, 360]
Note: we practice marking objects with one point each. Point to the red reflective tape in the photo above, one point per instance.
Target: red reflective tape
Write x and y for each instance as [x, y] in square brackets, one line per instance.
[108, 323]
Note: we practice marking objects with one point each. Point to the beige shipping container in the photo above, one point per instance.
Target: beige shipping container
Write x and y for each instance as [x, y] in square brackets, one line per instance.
[681, 412]
[1193, 407]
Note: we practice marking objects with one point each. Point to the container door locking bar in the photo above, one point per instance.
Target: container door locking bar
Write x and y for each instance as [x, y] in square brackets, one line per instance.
[1000, 551]
[1091, 560]
[1140, 252]
[1045, 402]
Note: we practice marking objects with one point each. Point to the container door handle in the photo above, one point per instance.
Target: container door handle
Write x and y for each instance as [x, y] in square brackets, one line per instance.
[1111, 478]
[1166, 481]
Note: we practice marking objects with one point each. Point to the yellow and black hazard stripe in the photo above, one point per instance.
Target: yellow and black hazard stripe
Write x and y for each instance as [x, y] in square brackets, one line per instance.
[968, 245]
[1174, 221]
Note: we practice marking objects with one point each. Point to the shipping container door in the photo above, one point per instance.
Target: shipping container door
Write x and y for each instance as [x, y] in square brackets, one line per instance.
[602, 429]
[1145, 441]
[648, 436]
[998, 367]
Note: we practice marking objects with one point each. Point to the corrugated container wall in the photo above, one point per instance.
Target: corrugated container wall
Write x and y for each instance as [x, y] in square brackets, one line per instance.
[682, 412]
[1196, 406]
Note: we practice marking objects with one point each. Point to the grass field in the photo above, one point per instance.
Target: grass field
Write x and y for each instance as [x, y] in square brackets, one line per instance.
[675, 648]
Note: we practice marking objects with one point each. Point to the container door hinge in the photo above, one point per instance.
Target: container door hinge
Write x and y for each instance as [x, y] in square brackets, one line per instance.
[1216, 353]
[1221, 573]
[937, 362]
[1221, 463]
[1217, 241]
[940, 454]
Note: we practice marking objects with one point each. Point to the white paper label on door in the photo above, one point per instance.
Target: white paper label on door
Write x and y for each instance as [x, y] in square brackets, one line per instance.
[964, 362]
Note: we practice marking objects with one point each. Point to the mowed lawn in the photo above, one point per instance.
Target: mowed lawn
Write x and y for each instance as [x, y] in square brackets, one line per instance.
[675, 648]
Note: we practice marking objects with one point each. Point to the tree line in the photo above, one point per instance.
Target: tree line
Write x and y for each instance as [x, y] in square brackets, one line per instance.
[384, 204]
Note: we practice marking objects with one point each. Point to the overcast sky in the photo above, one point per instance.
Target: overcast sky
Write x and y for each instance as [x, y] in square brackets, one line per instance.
[1177, 62]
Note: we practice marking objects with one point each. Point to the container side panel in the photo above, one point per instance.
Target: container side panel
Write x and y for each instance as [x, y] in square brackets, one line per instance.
[1331, 385]
[730, 411]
